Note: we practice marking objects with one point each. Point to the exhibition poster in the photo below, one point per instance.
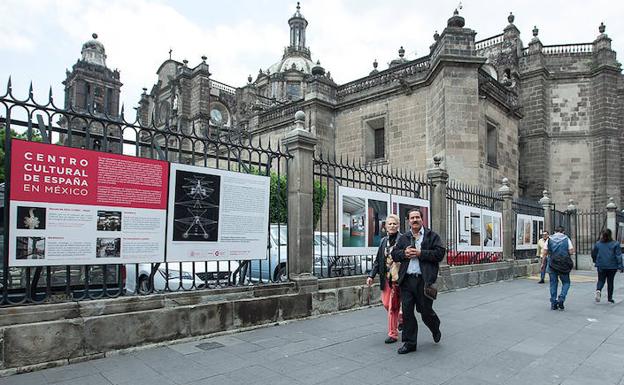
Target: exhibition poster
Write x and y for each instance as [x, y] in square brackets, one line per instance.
[478, 229]
[620, 233]
[528, 230]
[70, 206]
[402, 205]
[216, 215]
[362, 220]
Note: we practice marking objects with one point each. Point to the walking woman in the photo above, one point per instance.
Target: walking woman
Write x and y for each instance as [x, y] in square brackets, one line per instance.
[388, 271]
[607, 255]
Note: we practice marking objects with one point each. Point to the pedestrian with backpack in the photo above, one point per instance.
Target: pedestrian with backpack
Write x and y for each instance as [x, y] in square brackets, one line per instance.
[607, 255]
[559, 248]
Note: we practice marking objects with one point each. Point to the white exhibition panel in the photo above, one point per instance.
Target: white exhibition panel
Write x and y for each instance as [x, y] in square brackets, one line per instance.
[216, 215]
[468, 228]
[75, 235]
[72, 206]
[354, 206]
[528, 229]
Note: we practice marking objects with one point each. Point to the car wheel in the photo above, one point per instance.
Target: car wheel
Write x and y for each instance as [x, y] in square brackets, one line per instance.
[280, 274]
[144, 286]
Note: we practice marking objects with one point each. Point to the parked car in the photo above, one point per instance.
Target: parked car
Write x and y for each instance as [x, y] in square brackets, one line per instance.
[178, 275]
[274, 267]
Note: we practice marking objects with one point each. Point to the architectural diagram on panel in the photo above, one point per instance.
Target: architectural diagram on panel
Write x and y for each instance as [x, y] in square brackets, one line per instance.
[196, 211]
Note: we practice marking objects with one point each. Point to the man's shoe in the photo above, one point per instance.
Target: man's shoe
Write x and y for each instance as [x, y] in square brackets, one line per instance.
[598, 295]
[553, 306]
[437, 336]
[540, 281]
[560, 304]
[406, 348]
[611, 300]
[390, 340]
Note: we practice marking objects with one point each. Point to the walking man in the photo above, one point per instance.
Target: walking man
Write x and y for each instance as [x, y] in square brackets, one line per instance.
[420, 252]
[560, 263]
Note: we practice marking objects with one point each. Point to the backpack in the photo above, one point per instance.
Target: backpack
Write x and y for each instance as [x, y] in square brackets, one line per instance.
[560, 261]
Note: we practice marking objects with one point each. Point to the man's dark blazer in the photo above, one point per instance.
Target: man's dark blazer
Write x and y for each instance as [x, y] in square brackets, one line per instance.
[432, 253]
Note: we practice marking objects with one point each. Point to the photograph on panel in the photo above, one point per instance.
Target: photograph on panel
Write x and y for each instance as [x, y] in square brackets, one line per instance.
[30, 248]
[108, 220]
[353, 214]
[377, 213]
[108, 248]
[31, 218]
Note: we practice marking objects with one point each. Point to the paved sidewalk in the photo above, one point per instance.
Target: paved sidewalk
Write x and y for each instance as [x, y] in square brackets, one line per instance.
[503, 333]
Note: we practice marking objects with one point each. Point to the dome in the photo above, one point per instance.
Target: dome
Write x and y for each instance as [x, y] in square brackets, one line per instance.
[299, 62]
[93, 51]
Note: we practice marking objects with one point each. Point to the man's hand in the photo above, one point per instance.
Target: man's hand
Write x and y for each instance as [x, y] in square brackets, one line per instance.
[369, 281]
[412, 253]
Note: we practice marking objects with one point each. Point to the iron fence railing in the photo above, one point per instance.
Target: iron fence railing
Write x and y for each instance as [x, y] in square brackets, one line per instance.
[458, 193]
[589, 225]
[329, 174]
[201, 144]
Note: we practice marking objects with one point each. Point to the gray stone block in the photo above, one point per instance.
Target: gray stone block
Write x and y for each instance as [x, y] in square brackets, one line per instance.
[210, 318]
[120, 331]
[349, 297]
[295, 306]
[324, 301]
[42, 342]
[255, 312]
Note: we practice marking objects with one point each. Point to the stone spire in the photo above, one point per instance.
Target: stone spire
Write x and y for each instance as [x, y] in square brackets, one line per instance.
[298, 25]
[93, 52]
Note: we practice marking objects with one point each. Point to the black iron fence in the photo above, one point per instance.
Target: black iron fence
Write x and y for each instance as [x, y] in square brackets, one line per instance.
[329, 174]
[192, 143]
[458, 193]
[589, 225]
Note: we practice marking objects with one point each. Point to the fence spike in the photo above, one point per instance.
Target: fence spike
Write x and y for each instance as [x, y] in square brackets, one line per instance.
[50, 95]
[122, 110]
[9, 85]
[30, 91]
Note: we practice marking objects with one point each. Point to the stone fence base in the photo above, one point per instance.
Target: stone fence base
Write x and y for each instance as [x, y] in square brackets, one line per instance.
[40, 336]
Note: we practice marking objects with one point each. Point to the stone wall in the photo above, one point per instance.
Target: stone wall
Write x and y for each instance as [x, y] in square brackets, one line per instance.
[40, 336]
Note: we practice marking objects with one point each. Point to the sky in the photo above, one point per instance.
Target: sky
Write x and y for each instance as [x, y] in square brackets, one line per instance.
[40, 39]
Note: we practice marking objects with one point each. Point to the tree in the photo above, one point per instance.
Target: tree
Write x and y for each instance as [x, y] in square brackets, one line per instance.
[35, 138]
[278, 200]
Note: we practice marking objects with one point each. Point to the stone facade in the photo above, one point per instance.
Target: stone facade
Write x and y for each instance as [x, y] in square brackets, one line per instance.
[545, 117]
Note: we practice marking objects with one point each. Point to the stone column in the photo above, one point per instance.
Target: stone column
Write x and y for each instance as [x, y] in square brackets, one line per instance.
[438, 177]
[300, 144]
[572, 231]
[612, 216]
[508, 219]
[548, 214]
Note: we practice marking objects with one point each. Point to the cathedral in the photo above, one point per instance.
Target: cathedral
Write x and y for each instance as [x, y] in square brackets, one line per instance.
[543, 116]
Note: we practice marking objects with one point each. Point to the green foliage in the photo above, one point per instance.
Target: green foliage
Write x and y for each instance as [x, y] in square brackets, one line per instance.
[35, 138]
[278, 201]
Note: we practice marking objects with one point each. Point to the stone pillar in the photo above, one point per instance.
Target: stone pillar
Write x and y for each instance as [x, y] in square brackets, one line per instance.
[300, 144]
[548, 214]
[612, 216]
[438, 177]
[572, 231]
[508, 219]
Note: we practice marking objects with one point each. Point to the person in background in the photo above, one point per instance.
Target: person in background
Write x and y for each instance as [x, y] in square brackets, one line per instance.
[559, 248]
[607, 255]
[544, 260]
[388, 271]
